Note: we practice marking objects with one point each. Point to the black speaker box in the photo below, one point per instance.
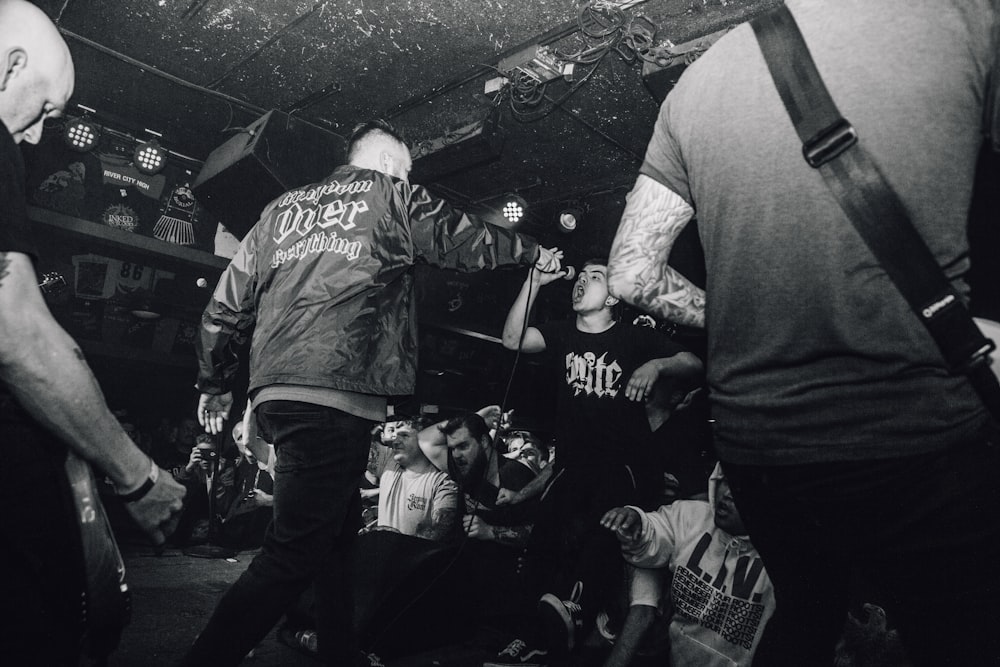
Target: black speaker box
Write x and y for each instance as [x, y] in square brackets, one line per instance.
[473, 144]
[277, 152]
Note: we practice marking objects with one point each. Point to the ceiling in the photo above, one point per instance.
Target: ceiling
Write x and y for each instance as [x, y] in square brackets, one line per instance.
[197, 70]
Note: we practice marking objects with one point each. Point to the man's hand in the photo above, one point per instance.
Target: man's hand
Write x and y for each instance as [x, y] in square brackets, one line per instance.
[640, 385]
[506, 497]
[158, 512]
[258, 498]
[549, 260]
[548, 268]
[213, 410]
[476, 528]
[490, 415]
[625, 523]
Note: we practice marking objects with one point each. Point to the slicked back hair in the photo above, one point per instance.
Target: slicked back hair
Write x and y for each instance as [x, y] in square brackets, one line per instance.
[370, 129]
[472, 421]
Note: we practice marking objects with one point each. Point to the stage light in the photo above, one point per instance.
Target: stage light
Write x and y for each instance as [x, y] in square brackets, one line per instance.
[514, 208]
[81, 135]
[149, 158]
[568, 219]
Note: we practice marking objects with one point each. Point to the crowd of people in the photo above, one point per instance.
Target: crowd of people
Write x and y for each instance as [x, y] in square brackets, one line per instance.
[715, 509]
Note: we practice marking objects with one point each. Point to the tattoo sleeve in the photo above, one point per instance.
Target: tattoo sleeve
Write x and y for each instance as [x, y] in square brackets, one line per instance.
[4, 263]
[638, 272]
[515, 536]
[443, 526]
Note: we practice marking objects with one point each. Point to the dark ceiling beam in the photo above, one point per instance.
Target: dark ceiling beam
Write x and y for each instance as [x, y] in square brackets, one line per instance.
[271, 40]
[260, 111]
[601, 133]
[160, 73]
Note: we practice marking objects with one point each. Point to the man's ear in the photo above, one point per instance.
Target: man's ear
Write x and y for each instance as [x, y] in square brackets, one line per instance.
[15, 60]
[611, 301]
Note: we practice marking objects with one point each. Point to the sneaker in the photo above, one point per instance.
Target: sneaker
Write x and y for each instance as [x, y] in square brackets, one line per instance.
[518, 653]
[561, 618]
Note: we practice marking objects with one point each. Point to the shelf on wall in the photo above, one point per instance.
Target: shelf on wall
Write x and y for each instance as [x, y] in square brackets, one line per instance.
[130, 242]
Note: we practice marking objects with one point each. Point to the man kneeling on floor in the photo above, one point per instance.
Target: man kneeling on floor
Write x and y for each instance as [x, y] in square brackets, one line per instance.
[721, 597]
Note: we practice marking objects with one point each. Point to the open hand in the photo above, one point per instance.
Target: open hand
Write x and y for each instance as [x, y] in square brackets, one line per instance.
[625, 523]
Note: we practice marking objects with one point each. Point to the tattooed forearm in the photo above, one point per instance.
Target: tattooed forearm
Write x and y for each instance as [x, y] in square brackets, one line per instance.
[638, 270]
[4, 263]
[443, 526]
[515, 536]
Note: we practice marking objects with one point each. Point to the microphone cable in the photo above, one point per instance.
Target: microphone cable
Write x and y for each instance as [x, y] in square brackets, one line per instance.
[491, 455]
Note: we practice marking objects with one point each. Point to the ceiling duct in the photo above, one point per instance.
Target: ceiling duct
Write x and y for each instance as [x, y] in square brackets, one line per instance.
[470, 145]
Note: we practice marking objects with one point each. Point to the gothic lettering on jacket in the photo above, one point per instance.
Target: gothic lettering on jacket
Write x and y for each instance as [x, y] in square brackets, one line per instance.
[306, 221]
[593, 375]
[303, 219]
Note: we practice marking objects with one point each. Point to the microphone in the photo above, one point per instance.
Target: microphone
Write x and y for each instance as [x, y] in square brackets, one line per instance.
[569, 273]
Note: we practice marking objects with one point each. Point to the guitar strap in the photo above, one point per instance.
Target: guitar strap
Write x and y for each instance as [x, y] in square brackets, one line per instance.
[991, 110]
[830, 145]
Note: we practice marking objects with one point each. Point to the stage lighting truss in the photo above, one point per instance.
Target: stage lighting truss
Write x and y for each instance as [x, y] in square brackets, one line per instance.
[514, 208]
[81, 134]
[149, 158]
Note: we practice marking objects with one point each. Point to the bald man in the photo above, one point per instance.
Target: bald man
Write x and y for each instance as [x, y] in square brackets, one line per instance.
[50, 402]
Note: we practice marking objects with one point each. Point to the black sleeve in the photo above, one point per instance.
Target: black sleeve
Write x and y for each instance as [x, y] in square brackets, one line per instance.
[14, 231]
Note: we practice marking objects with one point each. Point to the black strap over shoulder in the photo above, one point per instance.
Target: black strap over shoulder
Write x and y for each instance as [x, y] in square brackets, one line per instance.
[831, 145]
[991, 109]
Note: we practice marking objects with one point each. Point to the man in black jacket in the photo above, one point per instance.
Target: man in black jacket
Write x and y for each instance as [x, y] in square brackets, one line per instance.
[324, 281]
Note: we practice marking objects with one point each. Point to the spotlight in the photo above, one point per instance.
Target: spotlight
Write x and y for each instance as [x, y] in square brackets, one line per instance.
[568, 219]
[149, 158]
[81, 135]
[514, 208]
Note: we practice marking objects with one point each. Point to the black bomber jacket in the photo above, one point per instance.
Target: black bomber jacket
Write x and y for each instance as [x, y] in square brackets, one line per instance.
[323, 282]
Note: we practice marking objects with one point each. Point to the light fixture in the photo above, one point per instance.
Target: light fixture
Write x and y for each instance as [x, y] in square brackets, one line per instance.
[568, 219]
[81, 134]
[514, 208]
[149, 158]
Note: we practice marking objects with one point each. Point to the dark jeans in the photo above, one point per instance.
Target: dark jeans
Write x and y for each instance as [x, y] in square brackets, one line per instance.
[921, 532]
[41, 555]
[321, 455]
[567, 542]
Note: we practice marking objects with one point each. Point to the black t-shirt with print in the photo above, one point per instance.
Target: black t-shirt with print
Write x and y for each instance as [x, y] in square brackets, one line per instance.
[595, 423]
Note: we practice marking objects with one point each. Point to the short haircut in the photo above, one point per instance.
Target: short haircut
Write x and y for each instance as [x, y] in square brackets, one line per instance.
[370, 129]
[472, 421]
[596, 261]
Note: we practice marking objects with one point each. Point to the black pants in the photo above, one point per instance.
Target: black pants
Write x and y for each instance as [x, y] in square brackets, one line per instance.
[321, 455]
[923, 531]
[567, 542]
[41, 556]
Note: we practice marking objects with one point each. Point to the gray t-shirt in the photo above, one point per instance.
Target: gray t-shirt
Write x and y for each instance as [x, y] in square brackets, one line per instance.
[812, 353]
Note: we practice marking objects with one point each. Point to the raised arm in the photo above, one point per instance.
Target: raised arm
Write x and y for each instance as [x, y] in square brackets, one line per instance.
[514, 325]
[45, 370]
[637, 269]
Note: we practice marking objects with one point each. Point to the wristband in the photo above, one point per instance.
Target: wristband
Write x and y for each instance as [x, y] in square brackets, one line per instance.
[145, 487]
